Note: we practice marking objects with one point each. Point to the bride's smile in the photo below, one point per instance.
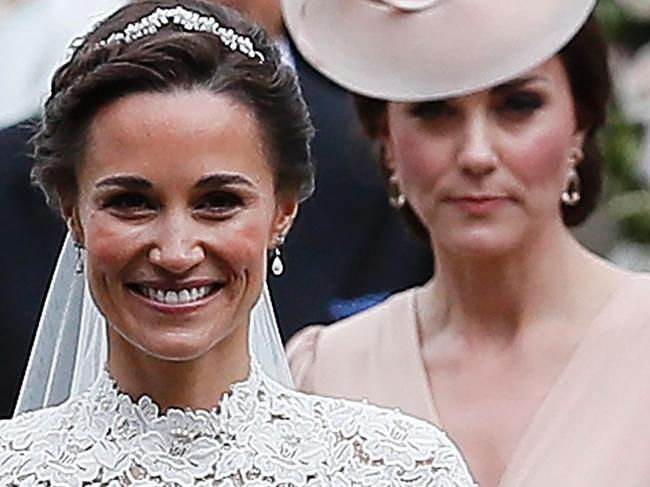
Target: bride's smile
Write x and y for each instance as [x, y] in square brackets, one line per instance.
[177, 297]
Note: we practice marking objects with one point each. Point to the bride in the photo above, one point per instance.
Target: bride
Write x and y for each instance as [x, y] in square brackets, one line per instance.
[175, 145]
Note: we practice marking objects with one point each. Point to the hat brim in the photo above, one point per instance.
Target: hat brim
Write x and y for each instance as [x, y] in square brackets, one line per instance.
[450, 49]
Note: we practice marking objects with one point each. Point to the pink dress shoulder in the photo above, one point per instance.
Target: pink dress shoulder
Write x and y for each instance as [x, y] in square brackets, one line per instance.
[373, 355]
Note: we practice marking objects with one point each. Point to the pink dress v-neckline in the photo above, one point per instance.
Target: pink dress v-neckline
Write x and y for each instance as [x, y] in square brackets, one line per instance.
[591, 430]
[531, 440]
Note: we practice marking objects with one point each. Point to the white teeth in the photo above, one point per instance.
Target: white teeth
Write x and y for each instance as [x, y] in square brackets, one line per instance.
[182, 296]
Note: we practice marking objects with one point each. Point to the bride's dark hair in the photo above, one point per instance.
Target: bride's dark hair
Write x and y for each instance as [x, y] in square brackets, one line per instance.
[172, 59]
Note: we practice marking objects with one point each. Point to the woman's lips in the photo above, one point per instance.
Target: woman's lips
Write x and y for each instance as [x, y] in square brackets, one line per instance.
[479, 205]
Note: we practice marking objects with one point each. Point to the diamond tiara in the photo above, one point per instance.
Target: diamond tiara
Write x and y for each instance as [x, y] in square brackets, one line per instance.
[188, 20]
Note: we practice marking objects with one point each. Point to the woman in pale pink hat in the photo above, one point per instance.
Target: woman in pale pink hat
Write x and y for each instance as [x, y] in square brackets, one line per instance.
[530, 351]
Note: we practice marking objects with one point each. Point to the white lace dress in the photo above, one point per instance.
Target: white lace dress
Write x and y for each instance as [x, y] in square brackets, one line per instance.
[261, 435]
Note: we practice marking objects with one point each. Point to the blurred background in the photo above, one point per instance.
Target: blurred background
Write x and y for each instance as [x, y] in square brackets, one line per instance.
[621, 228]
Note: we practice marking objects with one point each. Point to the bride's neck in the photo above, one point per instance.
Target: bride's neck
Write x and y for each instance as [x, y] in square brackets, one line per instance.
[192, 384]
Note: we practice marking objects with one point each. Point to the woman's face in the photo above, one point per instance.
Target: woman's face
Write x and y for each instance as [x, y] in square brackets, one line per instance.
[177, 211]
[485, 171]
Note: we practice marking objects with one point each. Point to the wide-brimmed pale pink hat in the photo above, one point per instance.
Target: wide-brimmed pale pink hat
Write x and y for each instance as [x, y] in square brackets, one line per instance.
[410, 50]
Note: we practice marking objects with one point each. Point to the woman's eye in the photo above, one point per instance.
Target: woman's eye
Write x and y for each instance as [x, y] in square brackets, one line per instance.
[129, 203]
[221, 202]
[522, 103]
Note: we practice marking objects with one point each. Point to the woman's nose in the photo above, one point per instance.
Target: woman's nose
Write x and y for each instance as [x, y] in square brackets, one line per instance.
[177, 247]
[477, 156]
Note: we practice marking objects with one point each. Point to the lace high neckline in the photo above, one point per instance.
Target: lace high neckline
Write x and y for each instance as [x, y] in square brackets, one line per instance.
[106, 385]
[143, 415]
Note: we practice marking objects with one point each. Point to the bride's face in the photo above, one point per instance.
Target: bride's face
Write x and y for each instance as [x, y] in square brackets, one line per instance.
[177, 210]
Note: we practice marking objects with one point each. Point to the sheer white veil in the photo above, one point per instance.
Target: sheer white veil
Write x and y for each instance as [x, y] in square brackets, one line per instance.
[71, 345]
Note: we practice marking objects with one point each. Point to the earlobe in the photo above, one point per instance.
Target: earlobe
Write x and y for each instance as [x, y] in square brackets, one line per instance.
[576, 154]
[579, 138]
[286, 212]
[387, 157]
[74, 225]
[285, 215]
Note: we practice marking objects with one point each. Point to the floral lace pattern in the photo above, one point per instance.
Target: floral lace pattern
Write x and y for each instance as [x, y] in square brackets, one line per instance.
[261, 435]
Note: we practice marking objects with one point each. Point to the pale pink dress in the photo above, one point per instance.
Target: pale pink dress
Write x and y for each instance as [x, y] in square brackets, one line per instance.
[592, 429]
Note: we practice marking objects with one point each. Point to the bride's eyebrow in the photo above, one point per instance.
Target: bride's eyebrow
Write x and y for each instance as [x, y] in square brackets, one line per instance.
[126, 182]
[212, 180]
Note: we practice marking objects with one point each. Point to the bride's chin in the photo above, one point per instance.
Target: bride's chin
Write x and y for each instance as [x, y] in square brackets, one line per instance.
[168, 345]
[173, 352]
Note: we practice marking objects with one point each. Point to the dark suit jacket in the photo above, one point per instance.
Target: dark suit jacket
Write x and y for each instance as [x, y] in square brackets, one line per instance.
[32, 235]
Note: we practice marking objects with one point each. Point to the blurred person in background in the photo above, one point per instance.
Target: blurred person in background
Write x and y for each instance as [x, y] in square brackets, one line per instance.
[34, 37]
[526, 348]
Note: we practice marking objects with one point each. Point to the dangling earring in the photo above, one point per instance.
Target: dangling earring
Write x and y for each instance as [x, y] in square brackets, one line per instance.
[79, 260]
[277, 264]
[395, 197]
[571, 195]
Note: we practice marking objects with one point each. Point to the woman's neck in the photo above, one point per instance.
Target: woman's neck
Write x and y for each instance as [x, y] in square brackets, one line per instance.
[496, 297]
[192, 384]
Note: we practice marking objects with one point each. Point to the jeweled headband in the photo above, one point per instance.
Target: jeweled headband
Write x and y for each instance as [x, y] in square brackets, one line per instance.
[189, 21]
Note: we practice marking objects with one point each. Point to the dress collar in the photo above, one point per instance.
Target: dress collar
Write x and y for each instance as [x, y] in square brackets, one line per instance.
[130, 417]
